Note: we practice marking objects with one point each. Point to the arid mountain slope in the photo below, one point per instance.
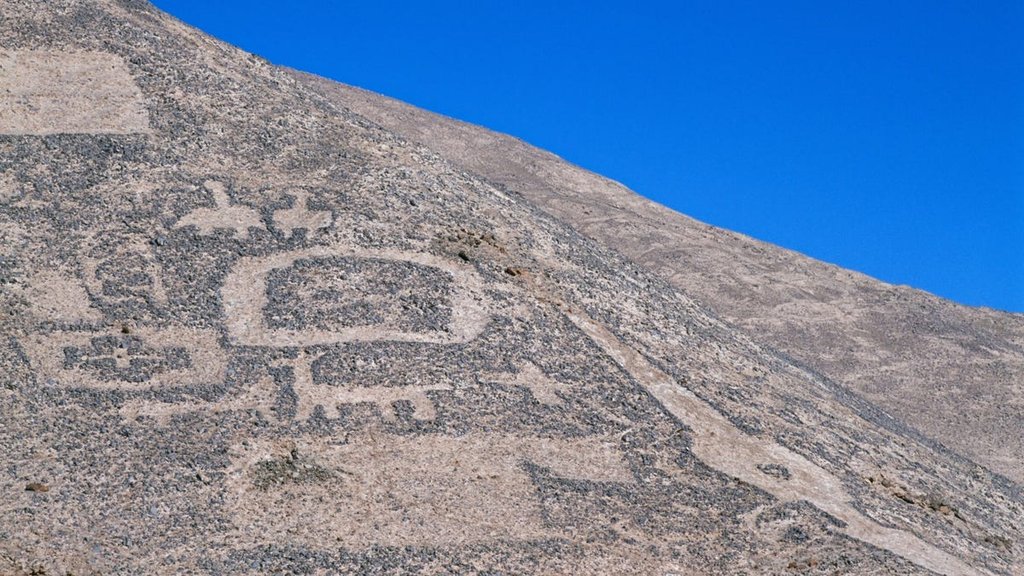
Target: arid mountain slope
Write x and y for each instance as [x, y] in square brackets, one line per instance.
[246, 331]
[955, 373]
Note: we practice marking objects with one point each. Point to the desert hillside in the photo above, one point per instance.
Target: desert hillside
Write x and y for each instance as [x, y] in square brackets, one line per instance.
[245, 329]
[950, 371]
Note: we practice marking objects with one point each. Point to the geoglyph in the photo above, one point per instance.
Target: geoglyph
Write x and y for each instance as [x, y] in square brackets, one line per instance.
[426, 489]
[244, 297]
[542, 387]
[246, 330]
[223, 215]
[385, 490]
[423, 489]
[142, 359]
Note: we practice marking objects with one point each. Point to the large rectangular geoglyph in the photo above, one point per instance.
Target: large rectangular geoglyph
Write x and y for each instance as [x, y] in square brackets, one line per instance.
[49, 92]
[389, 490]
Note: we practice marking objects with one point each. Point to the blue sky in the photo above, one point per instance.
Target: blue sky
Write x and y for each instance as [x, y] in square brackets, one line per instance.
[887, 137]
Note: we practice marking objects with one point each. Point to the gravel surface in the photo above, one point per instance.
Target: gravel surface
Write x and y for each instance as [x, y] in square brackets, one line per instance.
[260, 333]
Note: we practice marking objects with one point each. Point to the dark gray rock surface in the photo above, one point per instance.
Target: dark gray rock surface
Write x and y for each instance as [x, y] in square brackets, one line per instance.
[250, 331]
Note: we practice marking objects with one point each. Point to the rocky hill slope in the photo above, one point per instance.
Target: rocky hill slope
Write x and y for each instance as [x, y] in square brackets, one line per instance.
[954, 372]
[245, 330]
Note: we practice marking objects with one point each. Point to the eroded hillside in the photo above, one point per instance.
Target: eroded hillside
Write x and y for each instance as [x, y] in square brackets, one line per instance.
[249, 331]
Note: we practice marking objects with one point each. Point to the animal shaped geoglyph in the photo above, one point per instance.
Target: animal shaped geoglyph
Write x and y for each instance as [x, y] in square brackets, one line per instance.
[142, 358]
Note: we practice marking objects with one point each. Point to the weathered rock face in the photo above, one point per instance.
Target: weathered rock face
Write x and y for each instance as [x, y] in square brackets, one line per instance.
[950, 371]
[245, 330]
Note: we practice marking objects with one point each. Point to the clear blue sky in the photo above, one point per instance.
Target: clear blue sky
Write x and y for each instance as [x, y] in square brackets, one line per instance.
[887, 137]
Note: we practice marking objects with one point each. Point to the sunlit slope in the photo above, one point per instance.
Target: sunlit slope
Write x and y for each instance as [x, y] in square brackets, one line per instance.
[247, 331]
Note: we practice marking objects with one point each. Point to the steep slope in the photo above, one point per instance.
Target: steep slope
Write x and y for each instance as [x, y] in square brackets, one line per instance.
[954, 372]
[247, 331]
